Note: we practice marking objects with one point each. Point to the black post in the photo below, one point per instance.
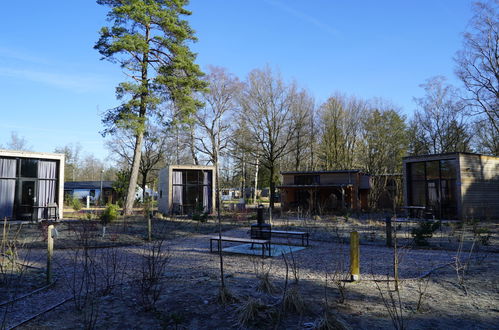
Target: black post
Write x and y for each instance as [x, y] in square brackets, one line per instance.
[388, 221]
[259, 214]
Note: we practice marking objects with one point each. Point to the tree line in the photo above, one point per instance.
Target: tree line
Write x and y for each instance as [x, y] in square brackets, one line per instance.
[253, 128]
[264, 124]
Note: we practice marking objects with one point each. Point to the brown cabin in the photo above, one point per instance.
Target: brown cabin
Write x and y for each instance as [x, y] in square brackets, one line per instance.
[453, 185]
[325, 191]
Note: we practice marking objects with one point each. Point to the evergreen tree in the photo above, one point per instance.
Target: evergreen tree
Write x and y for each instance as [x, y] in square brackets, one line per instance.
[149, 40]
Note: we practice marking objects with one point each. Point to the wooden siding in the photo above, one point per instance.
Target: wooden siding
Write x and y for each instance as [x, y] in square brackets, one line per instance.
[338, 178]
[288, 179]
[479, 186]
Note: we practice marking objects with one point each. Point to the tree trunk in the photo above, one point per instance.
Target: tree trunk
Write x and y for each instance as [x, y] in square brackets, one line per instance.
[137, 152]
[144, 183]
[134, 174]
[191, 145]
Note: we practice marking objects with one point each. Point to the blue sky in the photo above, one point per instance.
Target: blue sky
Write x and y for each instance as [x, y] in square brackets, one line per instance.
[54, 88]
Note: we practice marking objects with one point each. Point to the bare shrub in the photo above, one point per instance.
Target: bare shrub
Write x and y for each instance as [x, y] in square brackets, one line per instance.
[13, 268]
[421, 289]
[292, 300]
[262, 272]
[81, 275]
[152, 269]
[112, 266]
[461, 263]
[393, 304]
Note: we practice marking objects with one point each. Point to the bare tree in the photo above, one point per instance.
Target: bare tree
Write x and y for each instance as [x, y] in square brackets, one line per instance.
[441, 120]
[214, 120]
[384, 144]
[17, 142]
[267, 108]
[340, 127]
[486, 140]
[478, 62]
[72, 160]
[154, 147]
[302, 112]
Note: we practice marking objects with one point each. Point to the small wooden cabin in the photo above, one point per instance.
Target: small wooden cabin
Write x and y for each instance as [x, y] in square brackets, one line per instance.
[31, 185]
[325, 191]
[453, 185]
[186, 189]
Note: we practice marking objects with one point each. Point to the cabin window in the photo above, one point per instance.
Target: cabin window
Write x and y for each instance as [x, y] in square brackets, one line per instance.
[307, 179]
[29, 168]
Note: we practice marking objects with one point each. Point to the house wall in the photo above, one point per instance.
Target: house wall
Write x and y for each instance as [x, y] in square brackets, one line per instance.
[477, 183]
[288, 179]
[44, 156]
[163, 201]
[479, 186]
[356, 195]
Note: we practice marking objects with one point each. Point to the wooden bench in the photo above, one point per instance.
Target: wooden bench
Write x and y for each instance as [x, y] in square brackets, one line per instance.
[263, 242]
[289, 234]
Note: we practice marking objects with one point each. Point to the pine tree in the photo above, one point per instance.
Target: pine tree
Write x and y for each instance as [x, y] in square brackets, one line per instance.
[149, 40]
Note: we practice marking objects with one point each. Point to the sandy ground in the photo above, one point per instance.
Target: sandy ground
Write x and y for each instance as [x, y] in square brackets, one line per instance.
[189, 288]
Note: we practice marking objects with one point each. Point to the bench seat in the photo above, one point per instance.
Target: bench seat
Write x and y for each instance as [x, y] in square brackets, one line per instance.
[289, 234]
[263, 242]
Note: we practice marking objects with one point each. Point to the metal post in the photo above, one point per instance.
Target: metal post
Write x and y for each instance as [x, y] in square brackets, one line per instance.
[101, 192]
[354, 256]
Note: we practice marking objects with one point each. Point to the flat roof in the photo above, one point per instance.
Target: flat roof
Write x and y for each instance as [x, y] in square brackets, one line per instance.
[191, 167]
[446, 154]
[314, 185]
[30, 154]
[324, 172]
[71, 185]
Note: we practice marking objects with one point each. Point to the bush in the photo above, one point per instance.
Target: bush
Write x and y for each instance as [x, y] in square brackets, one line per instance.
[110, 214]
[199, 214]
[76, 204]
[423, 231]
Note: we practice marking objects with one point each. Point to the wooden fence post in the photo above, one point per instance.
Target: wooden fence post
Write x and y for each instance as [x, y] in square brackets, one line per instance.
[149, 227]
[354, 256]
[388, 221]
[50, 251]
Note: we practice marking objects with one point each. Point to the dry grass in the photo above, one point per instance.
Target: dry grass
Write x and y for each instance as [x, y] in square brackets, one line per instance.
[293, 300]
[251, 311]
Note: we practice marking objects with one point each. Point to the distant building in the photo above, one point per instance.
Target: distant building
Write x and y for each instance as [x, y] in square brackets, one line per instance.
[186, 189]
[31, 185]
[82, 189]
[453, 185]
[325, 191]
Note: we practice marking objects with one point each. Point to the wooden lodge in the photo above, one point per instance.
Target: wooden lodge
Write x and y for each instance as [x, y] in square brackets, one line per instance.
[325, 191]
[453, 185]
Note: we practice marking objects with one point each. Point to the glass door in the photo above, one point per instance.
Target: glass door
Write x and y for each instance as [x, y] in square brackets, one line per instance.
[25, 199]
[433, 195]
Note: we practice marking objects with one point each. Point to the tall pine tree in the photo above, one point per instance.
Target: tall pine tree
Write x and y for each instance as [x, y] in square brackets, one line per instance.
[149, 40]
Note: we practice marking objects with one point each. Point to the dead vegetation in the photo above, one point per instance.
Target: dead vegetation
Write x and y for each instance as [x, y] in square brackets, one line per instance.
[304, 289]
